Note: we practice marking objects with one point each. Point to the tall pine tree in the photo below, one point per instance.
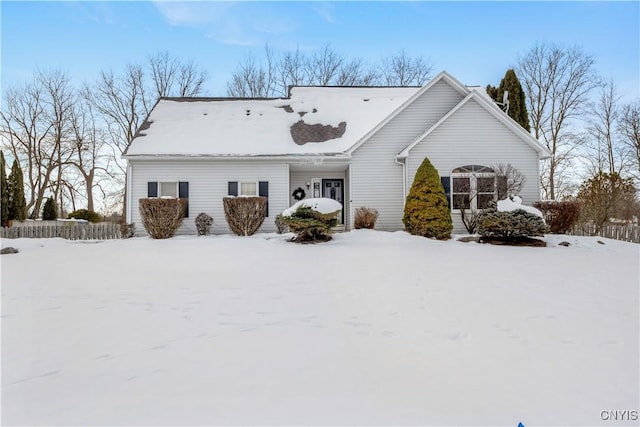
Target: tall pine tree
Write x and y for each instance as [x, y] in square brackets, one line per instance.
[4, 192]
[17, 202]
[517, 103]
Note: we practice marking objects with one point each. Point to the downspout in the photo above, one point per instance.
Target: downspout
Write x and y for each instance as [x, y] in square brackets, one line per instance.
[128, 189]
[404, 176]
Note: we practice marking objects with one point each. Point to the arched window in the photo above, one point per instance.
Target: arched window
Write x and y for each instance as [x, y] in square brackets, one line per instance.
[474, 187]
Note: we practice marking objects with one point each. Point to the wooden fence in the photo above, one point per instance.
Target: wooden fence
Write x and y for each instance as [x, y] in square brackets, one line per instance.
[627, 233]
[70, 231]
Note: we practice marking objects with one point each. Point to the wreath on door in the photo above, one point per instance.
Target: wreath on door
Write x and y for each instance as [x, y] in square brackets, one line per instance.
[299, 193]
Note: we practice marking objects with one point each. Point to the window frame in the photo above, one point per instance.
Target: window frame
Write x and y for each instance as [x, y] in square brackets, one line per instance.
[176, 188]
[256, 184]
[473, 172]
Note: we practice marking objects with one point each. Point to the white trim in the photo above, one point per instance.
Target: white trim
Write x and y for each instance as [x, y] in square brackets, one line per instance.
[443, 75]
[231, 157]
[543, 152]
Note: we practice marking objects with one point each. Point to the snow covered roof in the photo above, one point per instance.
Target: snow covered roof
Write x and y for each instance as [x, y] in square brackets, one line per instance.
[313, 120]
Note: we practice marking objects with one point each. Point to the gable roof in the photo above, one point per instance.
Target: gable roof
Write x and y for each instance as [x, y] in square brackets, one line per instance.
[442, 76]
[312, 121]
[486, 103]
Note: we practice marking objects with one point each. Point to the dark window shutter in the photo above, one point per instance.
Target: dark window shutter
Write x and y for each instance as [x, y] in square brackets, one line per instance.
[263, 191]
[233, 188]
[446, 183]
[183, 193]
[152, 189]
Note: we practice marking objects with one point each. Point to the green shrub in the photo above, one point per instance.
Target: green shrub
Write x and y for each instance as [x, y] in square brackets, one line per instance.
[426, 211]
[509, 225]
[203, 224]
[245, 215]
[90, 216]
[50, 210]
[311, 225]
[365, 218]
[162, 217]
[560, 216]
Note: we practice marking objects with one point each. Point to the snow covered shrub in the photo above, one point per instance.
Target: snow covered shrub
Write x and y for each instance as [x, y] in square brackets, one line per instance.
[310, 225]
[90, 216]
[559, 216]
[245, 215]
[127, 230]
[509, 224]
[365, 218]
[50, 210]
[162, 217]
[280, 225]
[426, 211]
[203, 224]
[312, 219]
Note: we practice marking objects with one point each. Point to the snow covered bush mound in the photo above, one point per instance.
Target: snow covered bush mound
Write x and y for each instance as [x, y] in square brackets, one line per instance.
[515, 203]
[322, 205]
[510, 219]
[312, 219]
[203, 224]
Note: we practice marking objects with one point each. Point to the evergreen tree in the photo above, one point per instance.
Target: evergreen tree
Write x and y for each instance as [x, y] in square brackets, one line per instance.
[4, 190]
[17, 202]
[517, 104]
[50, 210]
[426, 212]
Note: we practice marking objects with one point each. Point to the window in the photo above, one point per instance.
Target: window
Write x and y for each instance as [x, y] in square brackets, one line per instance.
[172, 189]
[248, 189]
[473, 187]
[168, 189]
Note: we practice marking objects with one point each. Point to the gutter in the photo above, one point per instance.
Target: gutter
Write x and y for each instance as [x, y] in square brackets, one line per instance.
[287, 157]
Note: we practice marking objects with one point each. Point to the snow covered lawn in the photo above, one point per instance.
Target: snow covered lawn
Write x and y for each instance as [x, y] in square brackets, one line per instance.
[371, 328]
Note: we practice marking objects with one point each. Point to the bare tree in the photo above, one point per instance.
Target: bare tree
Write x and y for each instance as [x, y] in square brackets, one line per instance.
[629, 129]
[91, 160]
[171, 77]
[35, 128]
[251, 80]
[403, 70]
[509, 180]
[607, 152]
[557, 82]
[325, 67]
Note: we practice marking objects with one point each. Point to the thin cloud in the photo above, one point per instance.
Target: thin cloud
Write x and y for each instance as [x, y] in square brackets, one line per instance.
[232, 23]
[326, 11]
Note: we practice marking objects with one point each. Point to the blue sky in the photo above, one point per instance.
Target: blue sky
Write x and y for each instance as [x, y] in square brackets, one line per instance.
[474, 41]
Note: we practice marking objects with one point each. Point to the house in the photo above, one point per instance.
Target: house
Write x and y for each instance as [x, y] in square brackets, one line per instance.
[358, 145]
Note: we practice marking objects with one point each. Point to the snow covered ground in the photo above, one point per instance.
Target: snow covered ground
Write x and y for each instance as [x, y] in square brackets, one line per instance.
[372, 328]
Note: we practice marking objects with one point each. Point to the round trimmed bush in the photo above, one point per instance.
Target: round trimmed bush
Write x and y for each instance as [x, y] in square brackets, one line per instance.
[203, 224]
[510, 225]
[90, 216]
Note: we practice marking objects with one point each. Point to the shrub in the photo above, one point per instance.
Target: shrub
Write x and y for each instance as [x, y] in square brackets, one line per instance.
[90, 216]
[311, 225]
[50, 210]
[245, 215]
[509, 225]
[162, 217]
[281, 226]
[365, 218]
[127, 230]
[560, 216]
[426, 211]
[203, 224]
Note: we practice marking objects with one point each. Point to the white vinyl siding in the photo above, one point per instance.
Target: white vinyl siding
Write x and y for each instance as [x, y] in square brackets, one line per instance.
[208, 184]
[473, 136]
[376, 180]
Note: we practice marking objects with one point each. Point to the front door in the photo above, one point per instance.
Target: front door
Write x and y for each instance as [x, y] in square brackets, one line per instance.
[334, 189]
